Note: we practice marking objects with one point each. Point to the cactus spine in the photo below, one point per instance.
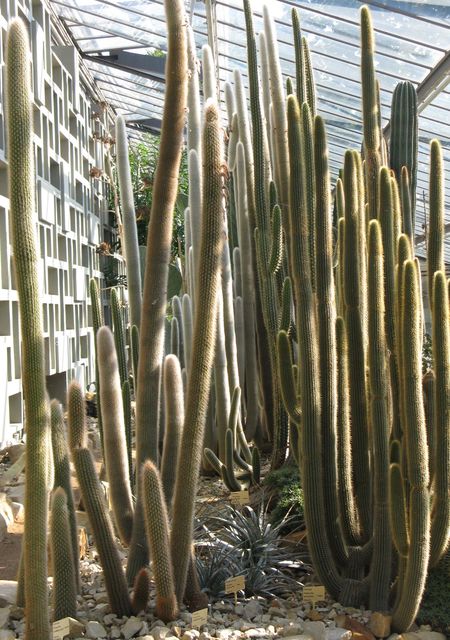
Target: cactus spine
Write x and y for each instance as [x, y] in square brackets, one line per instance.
[64, 584]
[21, 193]
[151, 335]
[174, 414]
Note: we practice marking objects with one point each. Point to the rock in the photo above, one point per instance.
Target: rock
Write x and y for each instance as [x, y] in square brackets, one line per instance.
[190, 634]
[159, 633]
[315, 628]
[5, 634]
[147, 638]
[224, 634]
[422, 635]
[358, 630]
[303, 636]
[131, 627]
[95, 630]
[8, 590]
[380, 624]
[252, 609]
[338, 634]
[257, 633]
[293, 630]
[4, 616]
[13, 452]
[315, 615]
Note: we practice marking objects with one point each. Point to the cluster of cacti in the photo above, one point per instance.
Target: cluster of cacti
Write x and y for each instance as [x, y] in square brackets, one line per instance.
[288, 333]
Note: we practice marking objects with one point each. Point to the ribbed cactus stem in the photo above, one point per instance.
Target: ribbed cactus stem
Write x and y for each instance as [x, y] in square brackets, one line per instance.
[370, 111]
[440, 526]
[299, 60]
[380, 569]
[194, 114]
[203, 348]
[279, 111]
[64, 583]
[309, 378]
[116, 454]
[174, 415]
[129, 223]
[435, 245]
[355, 342]
[141, 591]
[157, 528]
[63, 477]
[326, 316]
[309, 78]
[209, 73]
[417, 454]
[94, 503]
[97, 322]
[26, 260]
[165, 190]
[119, 336]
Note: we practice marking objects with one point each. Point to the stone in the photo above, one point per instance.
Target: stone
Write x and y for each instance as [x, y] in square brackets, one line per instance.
[4, 616]
[315, 628]
[422, 635]
[131, 627]
[338, 634]
[95, 630]
[380, 624]
[13, 452]
[224, 634]
[190, 634]
[292, 630]
[6, 634]
[8, 591]
[159, 633]
[252, 609]
[257, 633]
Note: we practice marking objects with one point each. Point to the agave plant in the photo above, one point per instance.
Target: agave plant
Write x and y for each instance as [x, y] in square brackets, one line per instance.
[247, 543]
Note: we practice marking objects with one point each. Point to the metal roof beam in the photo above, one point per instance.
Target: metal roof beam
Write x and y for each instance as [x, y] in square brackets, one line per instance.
[146, 66]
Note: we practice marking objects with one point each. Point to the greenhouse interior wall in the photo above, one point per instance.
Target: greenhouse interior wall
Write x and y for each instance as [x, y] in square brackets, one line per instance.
[71, 209]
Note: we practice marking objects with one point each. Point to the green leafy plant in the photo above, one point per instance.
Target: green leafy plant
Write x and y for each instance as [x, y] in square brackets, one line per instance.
[434, 609]
[285, 498]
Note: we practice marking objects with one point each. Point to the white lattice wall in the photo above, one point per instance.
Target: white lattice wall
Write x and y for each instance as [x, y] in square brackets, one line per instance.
[71, 213]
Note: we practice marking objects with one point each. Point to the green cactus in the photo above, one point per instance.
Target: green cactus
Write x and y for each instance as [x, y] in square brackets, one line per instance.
[64, 582]
[97, 322]
[94, 503]
[62, 478]
[141, 591]
[174, 415]
[372, 134]
[130, 238]
[157, 528]
[197, 396]
[26, 259]
[403, 145]
[114, 438]
[119, 336]
[151, 335]
[299, 60]
[435, 244]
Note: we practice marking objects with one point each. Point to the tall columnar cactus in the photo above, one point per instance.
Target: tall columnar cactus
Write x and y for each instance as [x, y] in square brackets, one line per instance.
[64, 583]
[97, 322]
[372, 134]
[403, 142]
[141, 591]
[119, 336]
[26, 259]
[94, 502]
[157, 527]
[151, 336]
[114, 437]
[62, 477]
[174, 415]
[203, 349]
[129, 223]
[435, 245]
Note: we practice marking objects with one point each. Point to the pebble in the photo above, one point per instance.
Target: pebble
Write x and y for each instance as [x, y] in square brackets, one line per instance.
[95, 630]
[131, 627]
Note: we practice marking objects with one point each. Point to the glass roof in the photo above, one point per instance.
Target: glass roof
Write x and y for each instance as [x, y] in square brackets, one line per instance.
[412, 37]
